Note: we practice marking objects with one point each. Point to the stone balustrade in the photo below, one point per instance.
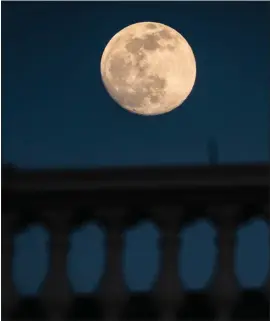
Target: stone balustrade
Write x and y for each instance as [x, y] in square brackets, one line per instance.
[227, 196]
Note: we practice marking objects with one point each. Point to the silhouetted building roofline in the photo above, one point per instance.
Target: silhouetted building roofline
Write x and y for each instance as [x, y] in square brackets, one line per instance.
[136, 177]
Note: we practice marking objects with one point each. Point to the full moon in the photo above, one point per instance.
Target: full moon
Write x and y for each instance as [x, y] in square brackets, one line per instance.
[148, 68]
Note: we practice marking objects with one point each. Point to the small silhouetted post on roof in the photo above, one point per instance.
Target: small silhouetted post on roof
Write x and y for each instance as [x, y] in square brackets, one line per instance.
[213, 152]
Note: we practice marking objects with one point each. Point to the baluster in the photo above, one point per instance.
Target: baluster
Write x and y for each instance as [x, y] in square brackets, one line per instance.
[9, 294]
[168, 287]
[56, 290]
[225, 284]
[267, 281]
[112, 287]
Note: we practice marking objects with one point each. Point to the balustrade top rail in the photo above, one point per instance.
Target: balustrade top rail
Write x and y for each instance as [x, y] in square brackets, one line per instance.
[253, 175]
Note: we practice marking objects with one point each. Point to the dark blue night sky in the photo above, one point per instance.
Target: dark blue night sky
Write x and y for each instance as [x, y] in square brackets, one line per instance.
[56, 113]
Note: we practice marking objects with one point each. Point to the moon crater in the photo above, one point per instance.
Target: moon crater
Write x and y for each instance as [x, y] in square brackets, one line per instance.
[148, 68]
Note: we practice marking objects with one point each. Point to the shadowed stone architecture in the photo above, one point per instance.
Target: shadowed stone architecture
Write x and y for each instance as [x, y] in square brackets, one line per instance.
[226, 195]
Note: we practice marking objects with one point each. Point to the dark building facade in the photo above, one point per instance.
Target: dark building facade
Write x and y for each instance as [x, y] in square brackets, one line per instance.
[171, 197]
